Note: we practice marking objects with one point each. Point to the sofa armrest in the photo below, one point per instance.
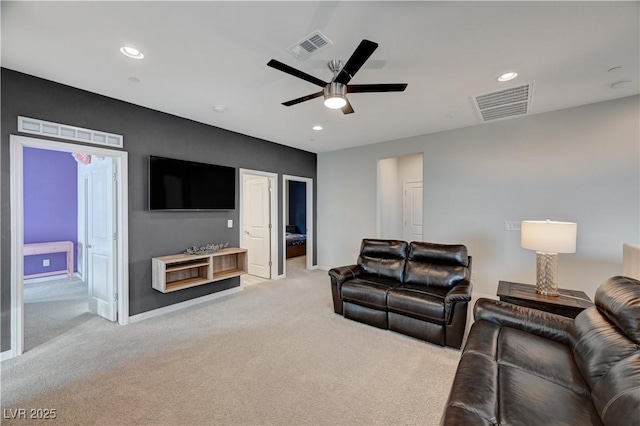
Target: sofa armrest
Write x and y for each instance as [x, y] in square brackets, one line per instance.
[338, 277]
[461, 292]
[544, 324]
[344, 273]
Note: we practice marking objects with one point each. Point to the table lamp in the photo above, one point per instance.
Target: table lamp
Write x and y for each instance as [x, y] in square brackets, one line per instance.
[548, 238]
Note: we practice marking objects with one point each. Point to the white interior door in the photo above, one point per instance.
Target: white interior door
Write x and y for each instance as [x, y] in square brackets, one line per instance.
[101, 239]
[413, 211]
[256, 224]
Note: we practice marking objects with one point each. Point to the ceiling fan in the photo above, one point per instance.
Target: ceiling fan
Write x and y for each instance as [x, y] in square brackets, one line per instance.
[335, 92]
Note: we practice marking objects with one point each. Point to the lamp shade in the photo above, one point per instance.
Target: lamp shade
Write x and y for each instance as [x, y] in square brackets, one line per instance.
[549, 236]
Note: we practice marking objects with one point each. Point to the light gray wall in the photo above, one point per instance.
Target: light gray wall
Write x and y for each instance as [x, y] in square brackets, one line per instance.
[580, 164]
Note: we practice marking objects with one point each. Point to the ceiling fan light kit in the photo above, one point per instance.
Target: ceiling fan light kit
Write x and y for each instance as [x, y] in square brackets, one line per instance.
[335, 92]
[335, 95]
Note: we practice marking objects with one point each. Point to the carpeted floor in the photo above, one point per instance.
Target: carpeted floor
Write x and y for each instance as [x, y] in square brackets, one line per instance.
[53, 308]
[273, 354]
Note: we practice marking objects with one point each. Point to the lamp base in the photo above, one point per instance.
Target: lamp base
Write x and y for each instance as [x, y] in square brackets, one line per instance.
[547, 273]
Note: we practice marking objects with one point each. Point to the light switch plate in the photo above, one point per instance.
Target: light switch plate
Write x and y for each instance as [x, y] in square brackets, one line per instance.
[511, 225]
[230, 223]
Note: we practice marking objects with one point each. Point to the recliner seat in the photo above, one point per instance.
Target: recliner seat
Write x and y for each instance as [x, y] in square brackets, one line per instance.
[528, 367]
[419, 289]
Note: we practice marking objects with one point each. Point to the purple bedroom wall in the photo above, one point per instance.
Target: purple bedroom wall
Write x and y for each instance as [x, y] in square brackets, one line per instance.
[50, 205]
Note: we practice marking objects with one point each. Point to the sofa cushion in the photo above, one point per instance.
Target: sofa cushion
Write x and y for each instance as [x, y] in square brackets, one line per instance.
[537, 355]
[508, 376]
[444, 254]
[526, 398]
[367, 290]
[383, 258]
[436, 265]
[418, 301]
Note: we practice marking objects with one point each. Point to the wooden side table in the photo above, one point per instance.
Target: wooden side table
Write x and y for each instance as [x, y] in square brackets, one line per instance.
[47, 248]
[569, 303]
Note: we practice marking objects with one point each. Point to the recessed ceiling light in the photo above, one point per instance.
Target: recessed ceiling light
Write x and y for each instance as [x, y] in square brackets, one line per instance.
[508, 76]
[134, 79]
[614, 69]
[317, 127]
[621, 83]
[219, 108]
[131, 52]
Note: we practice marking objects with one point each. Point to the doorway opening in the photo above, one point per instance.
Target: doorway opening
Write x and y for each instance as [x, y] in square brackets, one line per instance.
[100, 256]
[297, 222]
[258, 223]
[400, 198]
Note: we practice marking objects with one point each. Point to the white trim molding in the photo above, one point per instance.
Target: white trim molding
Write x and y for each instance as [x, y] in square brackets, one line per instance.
[49, 129]
[17, 145]
[182, 305]
[309, 219]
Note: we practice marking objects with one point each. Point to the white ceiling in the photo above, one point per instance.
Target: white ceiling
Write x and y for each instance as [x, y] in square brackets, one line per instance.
[202, 54]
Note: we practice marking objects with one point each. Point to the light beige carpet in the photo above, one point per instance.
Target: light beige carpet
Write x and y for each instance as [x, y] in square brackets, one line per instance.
[53, 308]
[273, 354]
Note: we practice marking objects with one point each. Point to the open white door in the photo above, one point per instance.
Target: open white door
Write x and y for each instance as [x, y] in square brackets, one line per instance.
[413, 211]
[101, 237]
[256, 224]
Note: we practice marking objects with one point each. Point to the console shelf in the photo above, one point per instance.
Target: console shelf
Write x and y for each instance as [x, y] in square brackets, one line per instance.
[179, 271]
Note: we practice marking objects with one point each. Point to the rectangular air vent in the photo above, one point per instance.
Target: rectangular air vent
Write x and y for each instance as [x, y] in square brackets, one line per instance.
[313, 43]
[507, 103]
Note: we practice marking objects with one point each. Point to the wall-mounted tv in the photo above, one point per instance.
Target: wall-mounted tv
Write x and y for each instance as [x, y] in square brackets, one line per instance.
[188, 185]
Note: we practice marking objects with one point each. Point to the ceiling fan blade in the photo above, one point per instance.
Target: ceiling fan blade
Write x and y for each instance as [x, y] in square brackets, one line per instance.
[363, 88]
[296, 73]
[302, 99]
[347, 109]
[364, 50]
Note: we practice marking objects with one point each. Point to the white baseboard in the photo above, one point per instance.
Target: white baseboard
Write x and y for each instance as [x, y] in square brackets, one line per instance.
[280, 277]
[51, 278]
[322, 267]
[182, 305]
[6, 355]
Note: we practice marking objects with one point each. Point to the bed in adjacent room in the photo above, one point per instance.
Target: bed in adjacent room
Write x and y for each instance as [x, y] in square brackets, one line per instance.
[296, 242]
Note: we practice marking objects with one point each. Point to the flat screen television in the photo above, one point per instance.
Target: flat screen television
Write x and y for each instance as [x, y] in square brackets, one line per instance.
[188, 185]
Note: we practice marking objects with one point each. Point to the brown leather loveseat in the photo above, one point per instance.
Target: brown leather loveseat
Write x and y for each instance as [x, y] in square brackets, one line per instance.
[419, 289]
[521, 366]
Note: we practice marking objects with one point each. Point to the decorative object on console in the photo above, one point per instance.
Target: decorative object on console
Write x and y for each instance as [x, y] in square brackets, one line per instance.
[206, 249]
[548, 238]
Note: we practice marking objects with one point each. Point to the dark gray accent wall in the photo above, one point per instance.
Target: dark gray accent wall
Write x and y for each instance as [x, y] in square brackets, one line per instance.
[146, 132]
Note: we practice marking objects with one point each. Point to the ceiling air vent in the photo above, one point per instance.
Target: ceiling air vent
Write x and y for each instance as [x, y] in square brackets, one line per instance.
[314, 42]
[504, 103]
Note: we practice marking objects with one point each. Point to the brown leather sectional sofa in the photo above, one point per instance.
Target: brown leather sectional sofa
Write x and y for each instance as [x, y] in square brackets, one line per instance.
[521, 366]
[419, 289]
